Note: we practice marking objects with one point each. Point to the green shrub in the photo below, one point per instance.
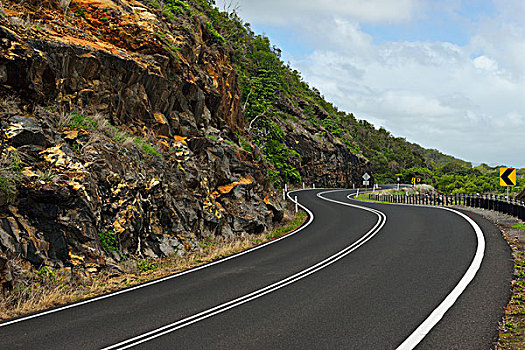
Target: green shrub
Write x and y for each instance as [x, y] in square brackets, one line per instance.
[82, 122]
[146, 148]
[145, 265]
[108, 241]
[175, 7]
[245, 145]
[219, 38]
[45, 272]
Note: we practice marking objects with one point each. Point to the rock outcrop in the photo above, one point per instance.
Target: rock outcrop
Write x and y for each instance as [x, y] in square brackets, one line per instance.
[123, 136]
[325, 161]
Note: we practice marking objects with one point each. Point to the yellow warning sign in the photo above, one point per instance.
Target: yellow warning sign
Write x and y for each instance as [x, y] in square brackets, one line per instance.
[507, 177]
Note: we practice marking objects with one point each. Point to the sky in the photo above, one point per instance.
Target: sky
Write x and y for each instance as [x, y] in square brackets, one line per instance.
[446, 74]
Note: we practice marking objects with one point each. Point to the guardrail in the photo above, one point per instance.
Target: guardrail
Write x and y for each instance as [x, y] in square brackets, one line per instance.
[486, 201]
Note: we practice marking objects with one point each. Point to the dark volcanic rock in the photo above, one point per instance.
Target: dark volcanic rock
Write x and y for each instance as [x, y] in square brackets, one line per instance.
[135, 164]
[119, 137]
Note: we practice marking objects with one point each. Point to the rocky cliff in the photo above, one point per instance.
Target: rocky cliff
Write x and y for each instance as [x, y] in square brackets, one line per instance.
[123, 135]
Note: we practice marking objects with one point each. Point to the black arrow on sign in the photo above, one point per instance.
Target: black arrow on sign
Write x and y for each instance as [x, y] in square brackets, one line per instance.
[505, 177]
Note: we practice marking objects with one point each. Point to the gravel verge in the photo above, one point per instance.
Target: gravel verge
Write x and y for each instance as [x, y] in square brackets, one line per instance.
[512, 325]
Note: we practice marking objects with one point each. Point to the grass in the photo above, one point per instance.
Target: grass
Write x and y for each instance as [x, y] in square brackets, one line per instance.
[7, 188]
[512, 327]
[279, 232]
[519, 226]
[116, 135]
[10, 174]
[49, 288]
[146, 147]
[146, 265]
[97, 122]
[154, 3]
[364, 197]
[82, 122]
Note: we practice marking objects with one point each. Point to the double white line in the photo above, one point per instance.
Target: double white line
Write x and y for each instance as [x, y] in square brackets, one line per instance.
[263, 291]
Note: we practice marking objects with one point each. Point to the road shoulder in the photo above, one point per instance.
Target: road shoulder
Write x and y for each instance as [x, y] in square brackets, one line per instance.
[511, 331]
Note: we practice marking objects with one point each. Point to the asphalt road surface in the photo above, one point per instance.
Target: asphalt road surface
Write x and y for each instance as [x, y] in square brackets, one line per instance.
[351, 279]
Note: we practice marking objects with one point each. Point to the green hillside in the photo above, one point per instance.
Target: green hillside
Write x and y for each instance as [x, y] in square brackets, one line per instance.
[273, 91]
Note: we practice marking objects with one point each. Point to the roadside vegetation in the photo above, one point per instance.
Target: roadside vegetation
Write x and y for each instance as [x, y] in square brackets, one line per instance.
[512, 326]
[47, 287]
[417, 189]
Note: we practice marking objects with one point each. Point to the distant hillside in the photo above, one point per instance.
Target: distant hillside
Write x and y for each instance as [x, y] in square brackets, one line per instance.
[278, 105]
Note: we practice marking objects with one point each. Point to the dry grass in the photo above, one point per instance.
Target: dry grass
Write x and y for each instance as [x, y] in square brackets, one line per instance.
[46, 288]
[9, 104]
[512, 326]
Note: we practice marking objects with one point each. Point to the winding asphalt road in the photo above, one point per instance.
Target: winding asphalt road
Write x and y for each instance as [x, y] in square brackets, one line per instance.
[353, 278]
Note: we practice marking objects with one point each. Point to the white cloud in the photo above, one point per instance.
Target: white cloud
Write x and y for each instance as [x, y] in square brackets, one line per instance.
[282, 12]
[485, 63]
[432, 93]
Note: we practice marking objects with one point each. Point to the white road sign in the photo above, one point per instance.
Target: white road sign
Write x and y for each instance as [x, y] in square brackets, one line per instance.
[366, 177]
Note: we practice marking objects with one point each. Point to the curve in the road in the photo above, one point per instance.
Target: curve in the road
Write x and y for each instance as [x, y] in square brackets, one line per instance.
[294, 275]
[128, 343]
[419, 333]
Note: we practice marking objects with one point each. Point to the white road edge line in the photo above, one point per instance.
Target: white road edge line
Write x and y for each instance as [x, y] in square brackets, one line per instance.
[109, 295]
[421, 332]
[126, 344]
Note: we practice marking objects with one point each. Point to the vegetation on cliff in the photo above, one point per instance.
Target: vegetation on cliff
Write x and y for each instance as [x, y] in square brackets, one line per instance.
[273, 93]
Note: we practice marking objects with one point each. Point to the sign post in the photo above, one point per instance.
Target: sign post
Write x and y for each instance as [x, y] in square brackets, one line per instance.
[366, 177]
[398, 184]
[507, 178]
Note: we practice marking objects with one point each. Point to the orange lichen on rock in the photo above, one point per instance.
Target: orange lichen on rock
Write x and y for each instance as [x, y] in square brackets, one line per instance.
[160, 118]
[100, 3]
[180, 139]
[245, 181]
[76, 259]
[228, 188]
